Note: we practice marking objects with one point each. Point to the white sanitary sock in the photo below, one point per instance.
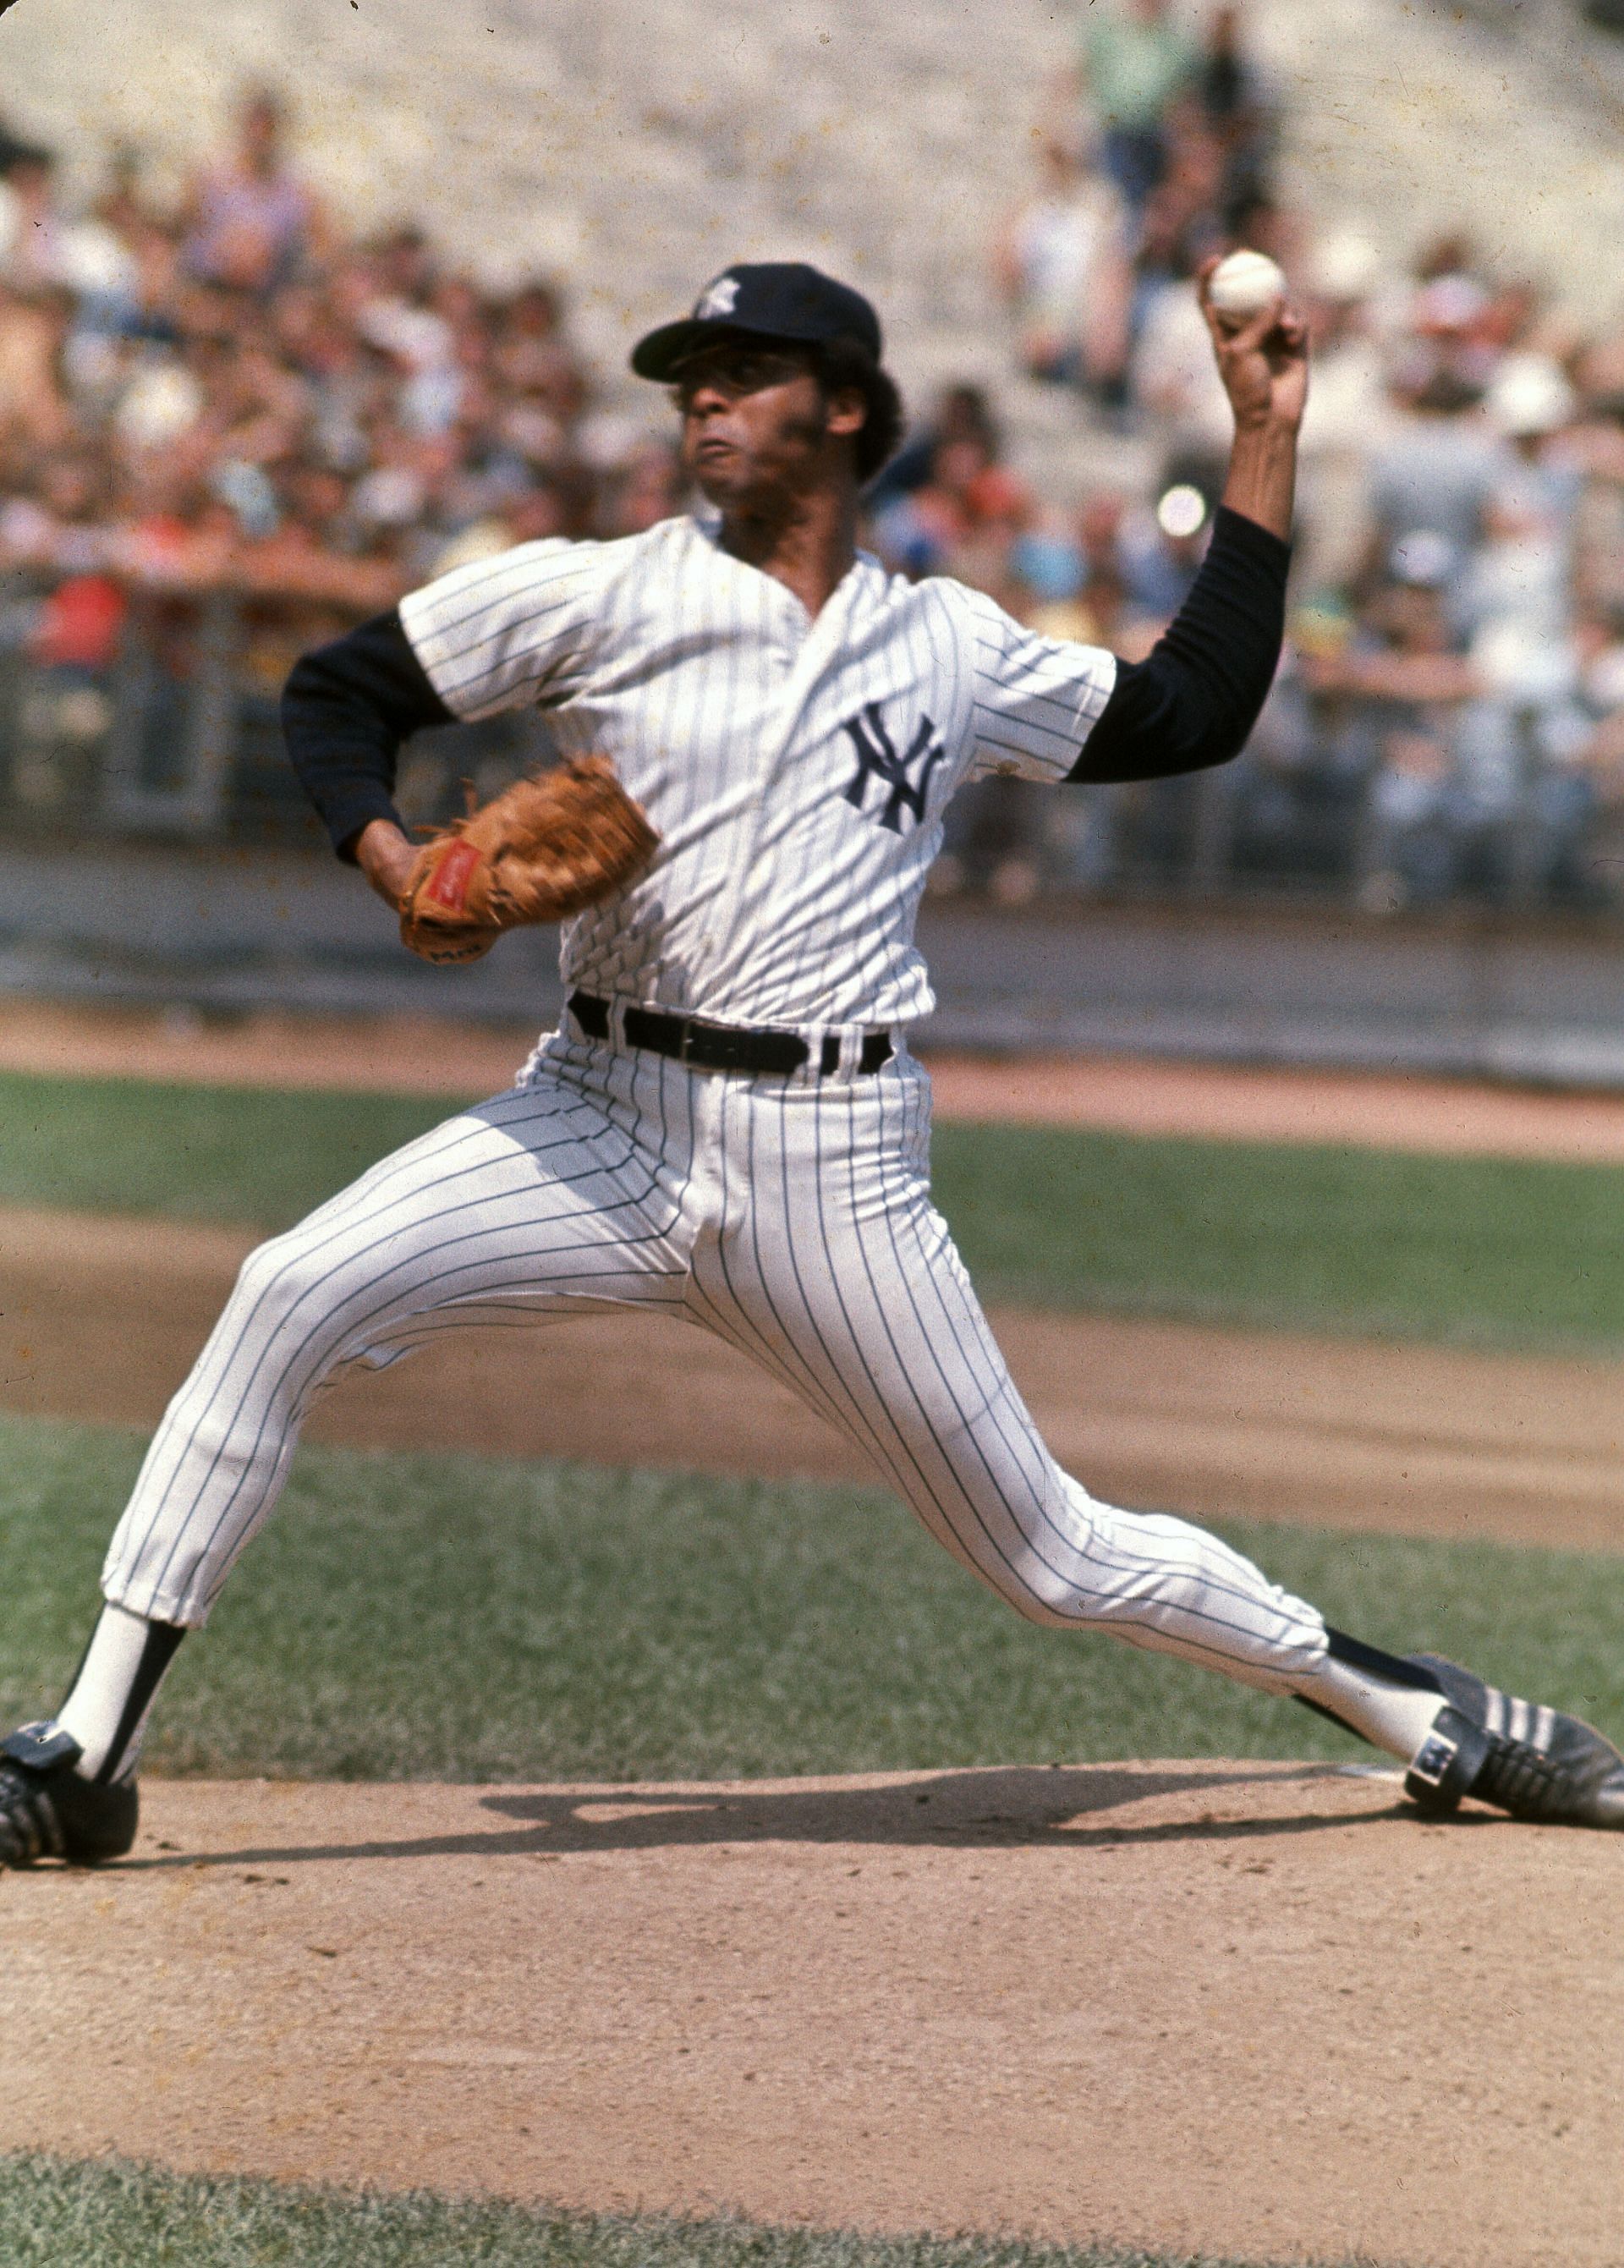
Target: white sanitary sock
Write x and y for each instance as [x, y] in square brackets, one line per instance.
[117, 1682]
[1391, 1716]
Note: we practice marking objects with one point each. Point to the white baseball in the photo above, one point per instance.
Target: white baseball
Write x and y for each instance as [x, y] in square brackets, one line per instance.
[1242, 285]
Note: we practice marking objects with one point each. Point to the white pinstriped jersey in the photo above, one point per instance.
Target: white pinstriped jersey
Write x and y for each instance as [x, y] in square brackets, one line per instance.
[796, 770]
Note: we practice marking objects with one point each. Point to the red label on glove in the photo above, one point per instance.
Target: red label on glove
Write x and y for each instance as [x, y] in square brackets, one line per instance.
[449, 886]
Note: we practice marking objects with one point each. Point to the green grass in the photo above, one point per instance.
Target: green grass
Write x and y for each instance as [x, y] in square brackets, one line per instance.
[54, 2214]
[1504, 1252]
[194, 1152]
[475, 1619]
[1507, 1252]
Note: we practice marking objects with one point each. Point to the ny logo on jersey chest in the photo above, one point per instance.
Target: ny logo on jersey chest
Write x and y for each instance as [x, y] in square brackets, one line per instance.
[906, 779]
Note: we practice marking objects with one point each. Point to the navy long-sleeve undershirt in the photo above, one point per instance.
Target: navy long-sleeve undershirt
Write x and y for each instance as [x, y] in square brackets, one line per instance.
[345, 711]
[1194, 698]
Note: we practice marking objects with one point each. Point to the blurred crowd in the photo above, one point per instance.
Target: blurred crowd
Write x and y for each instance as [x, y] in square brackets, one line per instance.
[1449, 719]
[224, 393]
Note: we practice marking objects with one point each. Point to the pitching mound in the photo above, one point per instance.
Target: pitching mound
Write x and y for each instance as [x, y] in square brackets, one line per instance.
[1253, 2008]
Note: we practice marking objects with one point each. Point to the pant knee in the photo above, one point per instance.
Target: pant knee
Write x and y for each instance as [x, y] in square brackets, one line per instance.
[267, 1281]
[1038, 1593]
[290, 1280]
[281, 1331]
[282, 1266]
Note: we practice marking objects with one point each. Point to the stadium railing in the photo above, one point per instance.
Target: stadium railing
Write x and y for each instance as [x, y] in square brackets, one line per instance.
[172, 732]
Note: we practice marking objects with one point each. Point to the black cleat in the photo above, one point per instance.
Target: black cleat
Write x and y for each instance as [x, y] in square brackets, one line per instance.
[1525, 1759]
[49, 1811]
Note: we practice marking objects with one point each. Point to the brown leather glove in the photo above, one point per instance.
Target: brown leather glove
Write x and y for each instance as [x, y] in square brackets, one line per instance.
[540, 851]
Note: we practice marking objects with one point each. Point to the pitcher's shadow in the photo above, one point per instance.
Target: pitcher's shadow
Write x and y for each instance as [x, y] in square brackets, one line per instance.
[1001, 1808]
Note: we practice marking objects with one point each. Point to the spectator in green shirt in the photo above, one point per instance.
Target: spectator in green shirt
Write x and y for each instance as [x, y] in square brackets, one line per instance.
[1133, 64]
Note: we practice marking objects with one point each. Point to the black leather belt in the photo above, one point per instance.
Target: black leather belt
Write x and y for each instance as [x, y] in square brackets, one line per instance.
[721, 1047]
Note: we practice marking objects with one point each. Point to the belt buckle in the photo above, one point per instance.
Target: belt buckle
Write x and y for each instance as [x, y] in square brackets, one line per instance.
[694, 1031]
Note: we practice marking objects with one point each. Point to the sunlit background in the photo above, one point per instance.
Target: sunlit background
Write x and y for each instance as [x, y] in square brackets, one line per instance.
[300, 302]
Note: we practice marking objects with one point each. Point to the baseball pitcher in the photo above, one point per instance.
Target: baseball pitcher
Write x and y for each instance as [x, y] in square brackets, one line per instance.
[762, 730]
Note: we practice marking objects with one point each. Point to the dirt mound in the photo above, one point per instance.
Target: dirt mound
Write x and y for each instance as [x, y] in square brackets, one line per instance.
[1253, 2008]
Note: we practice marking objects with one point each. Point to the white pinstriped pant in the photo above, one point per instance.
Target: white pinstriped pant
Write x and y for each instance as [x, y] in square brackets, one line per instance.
[790, 1216]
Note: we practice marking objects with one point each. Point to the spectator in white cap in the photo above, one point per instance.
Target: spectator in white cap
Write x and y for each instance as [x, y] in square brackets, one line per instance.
[1438, 468]
[1348, 414]
[1530, 400]
[1519, 580]
[1062, 267]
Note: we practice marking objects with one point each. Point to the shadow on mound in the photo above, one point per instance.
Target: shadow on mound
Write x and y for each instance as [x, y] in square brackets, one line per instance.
[1069, 1808]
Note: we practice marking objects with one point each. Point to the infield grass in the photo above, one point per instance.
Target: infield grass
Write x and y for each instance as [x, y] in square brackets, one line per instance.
[55, 2213]
[475, 1619]
[1493, 1251]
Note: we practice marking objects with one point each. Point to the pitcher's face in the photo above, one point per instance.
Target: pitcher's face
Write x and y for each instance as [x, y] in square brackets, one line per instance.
[756, 424]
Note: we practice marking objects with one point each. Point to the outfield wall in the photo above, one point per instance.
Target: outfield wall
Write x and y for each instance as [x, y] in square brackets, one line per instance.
[1528, 997]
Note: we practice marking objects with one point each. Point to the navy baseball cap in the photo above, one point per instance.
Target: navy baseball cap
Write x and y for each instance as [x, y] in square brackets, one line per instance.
[769, 299]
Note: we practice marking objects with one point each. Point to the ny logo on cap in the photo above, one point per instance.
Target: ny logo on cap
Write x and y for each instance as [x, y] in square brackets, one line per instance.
[720, 298]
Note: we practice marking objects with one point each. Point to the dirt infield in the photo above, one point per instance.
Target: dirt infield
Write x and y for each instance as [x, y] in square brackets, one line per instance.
[1123, 1094]
[1245, 2008]
[1424, 1440]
